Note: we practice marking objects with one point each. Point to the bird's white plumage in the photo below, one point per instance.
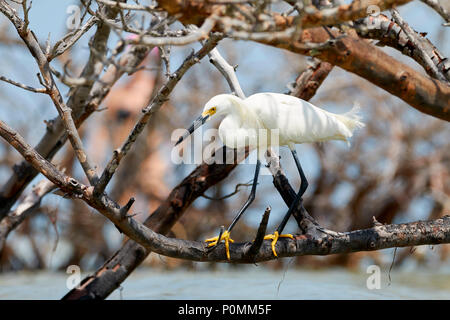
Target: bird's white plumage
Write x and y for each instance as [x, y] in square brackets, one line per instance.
[256, 120]
[292, 119]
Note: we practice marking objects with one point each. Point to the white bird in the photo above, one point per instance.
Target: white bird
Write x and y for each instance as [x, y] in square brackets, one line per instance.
[256, 120]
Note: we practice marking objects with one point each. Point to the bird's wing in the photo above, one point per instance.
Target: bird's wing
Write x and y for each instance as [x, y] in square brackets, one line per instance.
[276, 110]
[297, 120]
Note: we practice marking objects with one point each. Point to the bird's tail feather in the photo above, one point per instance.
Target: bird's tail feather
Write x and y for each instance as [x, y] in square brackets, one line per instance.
[352, 119]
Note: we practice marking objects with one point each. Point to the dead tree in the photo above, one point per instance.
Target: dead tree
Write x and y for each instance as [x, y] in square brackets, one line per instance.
[330, 33]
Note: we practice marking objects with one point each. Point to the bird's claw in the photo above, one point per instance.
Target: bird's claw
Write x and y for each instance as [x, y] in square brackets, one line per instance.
[226, 237]
[274, 237]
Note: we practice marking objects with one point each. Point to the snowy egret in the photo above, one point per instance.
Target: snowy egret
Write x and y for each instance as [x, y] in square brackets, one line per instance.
[294, 120]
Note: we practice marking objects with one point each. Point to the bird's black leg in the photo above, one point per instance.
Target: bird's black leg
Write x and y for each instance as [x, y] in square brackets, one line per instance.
[304, 184]
[250, 199]
[303, 187]
[226, 235]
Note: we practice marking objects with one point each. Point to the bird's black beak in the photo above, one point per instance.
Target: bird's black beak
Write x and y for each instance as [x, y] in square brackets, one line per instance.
[197, 123]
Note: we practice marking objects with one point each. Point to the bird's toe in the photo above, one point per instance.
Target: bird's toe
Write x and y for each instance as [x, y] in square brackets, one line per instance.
[274, 237]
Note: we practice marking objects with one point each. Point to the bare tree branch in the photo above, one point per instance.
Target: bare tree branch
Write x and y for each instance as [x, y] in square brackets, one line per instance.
[227, 71]
[436, 5]
[348, 52]
[197, 35]
[376, 238]
[331, 33]
[389, 33]
[427, 95]
[27, 207]
[379, 237]
[421, 46]
[83, 101]
[23, 86]
[70, 39]
[153, 107]
[125, 260]
[193, 12]
[347, 12]
[64, 111]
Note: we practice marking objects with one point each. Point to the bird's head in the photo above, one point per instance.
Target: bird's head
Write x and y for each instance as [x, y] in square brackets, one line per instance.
[218, 105]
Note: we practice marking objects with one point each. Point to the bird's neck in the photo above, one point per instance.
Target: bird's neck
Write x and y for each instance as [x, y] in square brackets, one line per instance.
[232, 121]
[238, 109]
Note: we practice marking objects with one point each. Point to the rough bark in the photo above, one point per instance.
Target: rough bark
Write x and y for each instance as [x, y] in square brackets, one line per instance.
[349, 52]
[108, 277]
[355, 55]
[376, 238]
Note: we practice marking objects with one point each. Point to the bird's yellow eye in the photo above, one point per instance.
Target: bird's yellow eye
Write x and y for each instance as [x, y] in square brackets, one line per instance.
[209, 112]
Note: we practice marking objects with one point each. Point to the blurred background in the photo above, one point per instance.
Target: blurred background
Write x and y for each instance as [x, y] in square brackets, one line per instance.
[397, 168]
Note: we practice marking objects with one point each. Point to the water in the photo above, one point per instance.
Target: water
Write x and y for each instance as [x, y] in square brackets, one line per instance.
[248, 283]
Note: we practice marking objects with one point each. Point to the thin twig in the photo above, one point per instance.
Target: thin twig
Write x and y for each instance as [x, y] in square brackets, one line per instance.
[70, 39]
[126, 6]
[64, 112]
[256, 245]
[148, 111]
[236, 190]
[23, 86]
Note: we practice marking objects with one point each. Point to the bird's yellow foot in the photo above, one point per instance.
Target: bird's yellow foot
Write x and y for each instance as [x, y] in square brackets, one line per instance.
[226, 237]
[274, 237]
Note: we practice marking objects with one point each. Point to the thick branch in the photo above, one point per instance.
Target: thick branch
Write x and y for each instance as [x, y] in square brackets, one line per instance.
[355, 55]
[125, 260]
[350, 53]
[421, 45]
[310, 80]
[347, 12]
[376, 238]
[379, 237]
[389, 33]
[194, 12]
